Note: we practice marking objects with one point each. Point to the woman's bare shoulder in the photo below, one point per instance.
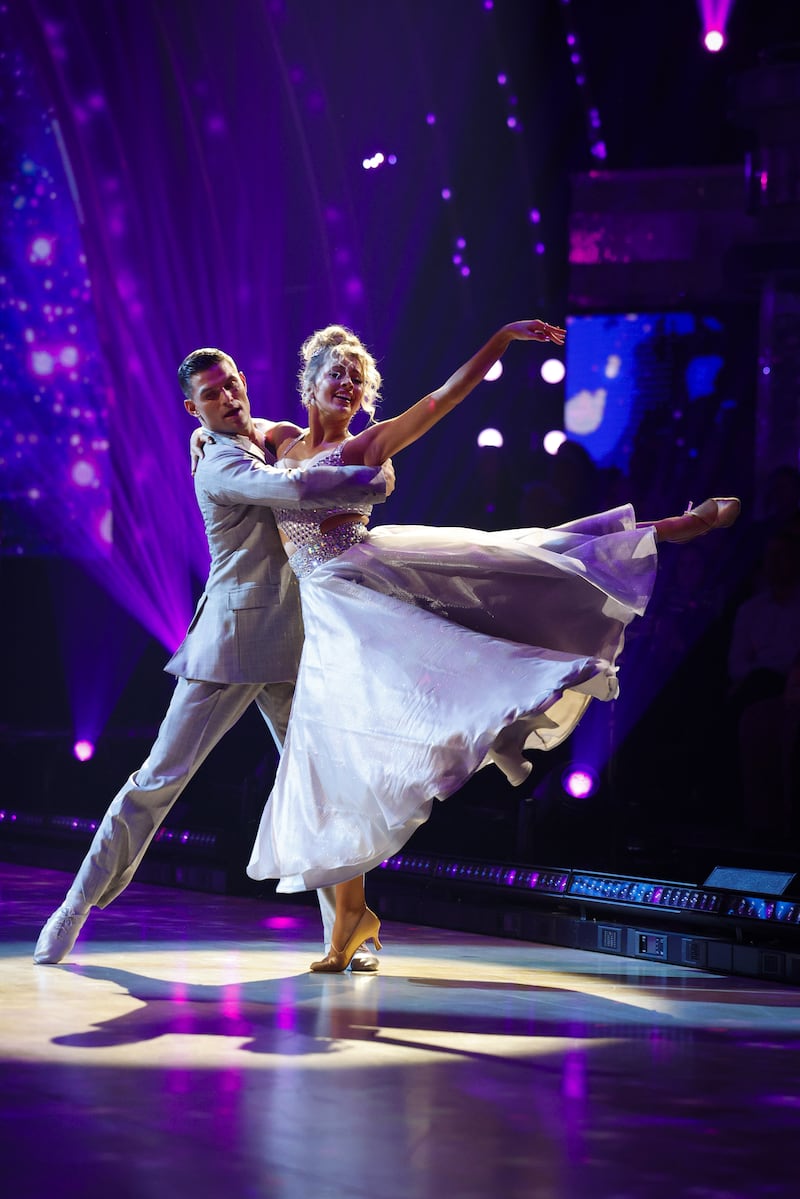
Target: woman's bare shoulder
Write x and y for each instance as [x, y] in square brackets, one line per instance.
[280, 435]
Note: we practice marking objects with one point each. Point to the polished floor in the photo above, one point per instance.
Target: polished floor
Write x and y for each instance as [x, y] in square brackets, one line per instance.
[185, 1049]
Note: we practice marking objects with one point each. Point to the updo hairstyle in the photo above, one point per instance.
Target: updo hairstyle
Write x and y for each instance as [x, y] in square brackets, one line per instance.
[337, 344]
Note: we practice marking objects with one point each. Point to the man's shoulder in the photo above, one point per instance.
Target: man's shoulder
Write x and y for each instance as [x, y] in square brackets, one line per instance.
[218, 444]
[227, 451]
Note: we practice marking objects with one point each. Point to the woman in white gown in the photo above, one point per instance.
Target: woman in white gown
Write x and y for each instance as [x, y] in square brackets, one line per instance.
[429, 652]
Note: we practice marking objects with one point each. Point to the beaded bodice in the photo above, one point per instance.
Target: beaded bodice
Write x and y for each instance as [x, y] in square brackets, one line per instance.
[302, 527]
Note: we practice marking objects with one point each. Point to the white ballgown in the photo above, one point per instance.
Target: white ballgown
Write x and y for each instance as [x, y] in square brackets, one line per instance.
[429, 653]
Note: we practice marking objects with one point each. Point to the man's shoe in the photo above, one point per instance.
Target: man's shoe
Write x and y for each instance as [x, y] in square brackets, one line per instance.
[59, 935]
[364, 962]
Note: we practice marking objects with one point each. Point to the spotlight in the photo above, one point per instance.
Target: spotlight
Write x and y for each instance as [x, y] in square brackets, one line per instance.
[713, 41]
[552, 370]
[579, 781]
[552, 441]
[490, 437]
[494, 372]
[83, 750]
[374, 162]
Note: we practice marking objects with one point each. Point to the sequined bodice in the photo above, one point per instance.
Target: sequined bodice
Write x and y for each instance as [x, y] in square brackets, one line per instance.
[302, 527]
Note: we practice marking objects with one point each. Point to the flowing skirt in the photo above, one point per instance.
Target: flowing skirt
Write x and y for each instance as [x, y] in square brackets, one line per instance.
[430, 653]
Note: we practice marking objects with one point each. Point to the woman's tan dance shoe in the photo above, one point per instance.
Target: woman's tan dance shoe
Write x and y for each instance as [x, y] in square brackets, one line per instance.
[717, 513]
[337, 960]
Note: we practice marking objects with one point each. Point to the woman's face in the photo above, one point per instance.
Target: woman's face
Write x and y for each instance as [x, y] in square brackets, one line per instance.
[339, 388]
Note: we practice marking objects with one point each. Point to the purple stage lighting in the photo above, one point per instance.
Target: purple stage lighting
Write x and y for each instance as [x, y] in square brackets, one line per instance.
[579, 781]
[41, 250]
[714, 20]
[83, 750]
[281, 923]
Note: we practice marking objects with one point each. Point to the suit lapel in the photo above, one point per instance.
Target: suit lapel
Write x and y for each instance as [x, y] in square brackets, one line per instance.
[262, 456]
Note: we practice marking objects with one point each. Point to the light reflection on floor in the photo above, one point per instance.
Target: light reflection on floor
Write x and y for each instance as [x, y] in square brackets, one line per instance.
[186, 1040]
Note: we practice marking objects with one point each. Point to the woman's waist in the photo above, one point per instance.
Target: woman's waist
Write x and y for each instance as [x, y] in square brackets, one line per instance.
[321, 517]
[323, 547]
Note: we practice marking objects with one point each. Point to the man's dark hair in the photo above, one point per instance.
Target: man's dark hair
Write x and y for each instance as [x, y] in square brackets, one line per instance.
[197, 361]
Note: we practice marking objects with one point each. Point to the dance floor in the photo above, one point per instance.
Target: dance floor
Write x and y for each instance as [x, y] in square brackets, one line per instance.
[184, 1049]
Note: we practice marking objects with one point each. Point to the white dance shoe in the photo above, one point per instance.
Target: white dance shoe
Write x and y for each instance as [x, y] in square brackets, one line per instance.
[364, 962]
[59, 935]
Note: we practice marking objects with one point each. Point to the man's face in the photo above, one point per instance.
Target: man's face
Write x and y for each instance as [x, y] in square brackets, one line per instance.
[219, 399]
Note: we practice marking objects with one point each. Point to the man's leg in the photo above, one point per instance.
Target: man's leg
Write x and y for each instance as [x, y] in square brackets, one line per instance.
[274, 703]
[198, 716]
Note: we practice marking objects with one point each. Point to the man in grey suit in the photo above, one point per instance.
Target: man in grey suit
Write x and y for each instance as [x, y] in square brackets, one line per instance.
[242, 646]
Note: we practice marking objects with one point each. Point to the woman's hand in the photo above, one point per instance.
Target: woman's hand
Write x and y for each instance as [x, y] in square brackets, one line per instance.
[537, 331]
[196, 443]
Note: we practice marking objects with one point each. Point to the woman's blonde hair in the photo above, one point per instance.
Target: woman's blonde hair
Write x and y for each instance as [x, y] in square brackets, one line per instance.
[337, 344]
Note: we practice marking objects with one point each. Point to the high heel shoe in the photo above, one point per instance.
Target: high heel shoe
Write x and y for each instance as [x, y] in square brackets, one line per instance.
[337, 960]
[717, 513]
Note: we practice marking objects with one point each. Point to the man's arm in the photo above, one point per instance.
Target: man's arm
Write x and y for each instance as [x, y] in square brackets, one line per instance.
[271, 435]
[230, 476]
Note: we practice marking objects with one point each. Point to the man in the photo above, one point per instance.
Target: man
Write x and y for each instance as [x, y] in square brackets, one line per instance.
[242, 646]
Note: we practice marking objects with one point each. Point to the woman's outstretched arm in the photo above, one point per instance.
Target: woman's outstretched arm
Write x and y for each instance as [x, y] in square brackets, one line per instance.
[380, 441]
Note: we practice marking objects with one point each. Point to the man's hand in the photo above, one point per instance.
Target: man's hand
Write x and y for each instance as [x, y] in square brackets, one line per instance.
[388, 474]
[196, 443]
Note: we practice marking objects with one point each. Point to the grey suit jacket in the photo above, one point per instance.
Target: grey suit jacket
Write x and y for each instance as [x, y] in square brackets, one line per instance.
[247, 627]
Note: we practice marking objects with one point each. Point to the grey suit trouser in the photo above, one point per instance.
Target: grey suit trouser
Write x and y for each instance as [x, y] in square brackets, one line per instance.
[198, 716]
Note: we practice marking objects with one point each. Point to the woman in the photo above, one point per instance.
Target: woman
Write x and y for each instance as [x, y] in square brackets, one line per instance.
[429, 652]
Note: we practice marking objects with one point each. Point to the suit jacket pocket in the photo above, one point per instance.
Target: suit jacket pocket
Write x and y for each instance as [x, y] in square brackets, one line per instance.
[254, 595]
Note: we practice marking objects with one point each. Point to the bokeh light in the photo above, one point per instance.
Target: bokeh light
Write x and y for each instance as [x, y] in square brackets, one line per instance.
[83, 750]
[552, 370]
[552, 441]
[580, 782]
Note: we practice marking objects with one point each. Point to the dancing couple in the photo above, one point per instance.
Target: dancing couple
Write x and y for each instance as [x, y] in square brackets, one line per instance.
[400, 623]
